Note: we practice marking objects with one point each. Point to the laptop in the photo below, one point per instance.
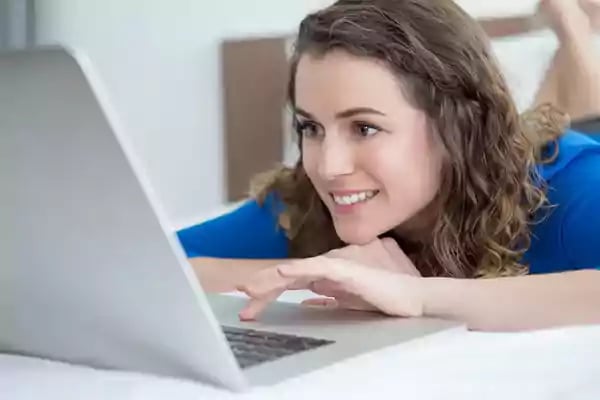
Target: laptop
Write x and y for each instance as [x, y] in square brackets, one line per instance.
[92, 274]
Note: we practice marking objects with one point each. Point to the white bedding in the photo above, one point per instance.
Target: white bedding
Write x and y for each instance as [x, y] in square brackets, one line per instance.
[552, 364]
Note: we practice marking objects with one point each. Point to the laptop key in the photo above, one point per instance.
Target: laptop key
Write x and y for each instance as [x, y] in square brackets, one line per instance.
[252, 347]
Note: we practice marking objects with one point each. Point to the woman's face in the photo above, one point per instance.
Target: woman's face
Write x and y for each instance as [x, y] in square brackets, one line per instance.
[367, 151]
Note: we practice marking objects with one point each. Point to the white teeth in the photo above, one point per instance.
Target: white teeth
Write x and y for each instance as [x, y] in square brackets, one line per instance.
[355, 198]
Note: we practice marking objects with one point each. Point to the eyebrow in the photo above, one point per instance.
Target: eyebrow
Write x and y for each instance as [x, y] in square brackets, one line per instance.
[342, 114]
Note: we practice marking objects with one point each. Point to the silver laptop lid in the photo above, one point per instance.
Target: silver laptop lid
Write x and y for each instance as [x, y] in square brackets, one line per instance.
[88, 271]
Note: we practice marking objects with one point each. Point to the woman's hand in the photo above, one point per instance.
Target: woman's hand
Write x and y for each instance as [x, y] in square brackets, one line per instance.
[375, 277]
[380, 253]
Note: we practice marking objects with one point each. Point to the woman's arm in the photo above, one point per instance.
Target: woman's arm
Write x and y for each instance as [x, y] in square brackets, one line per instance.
[229, 249]
[516, 303]
[225, 275]
[545, 300]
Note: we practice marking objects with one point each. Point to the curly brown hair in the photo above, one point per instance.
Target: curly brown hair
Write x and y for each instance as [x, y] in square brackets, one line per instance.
[490, 189]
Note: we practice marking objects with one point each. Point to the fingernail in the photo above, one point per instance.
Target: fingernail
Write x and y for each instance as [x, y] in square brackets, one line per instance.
[244, 317]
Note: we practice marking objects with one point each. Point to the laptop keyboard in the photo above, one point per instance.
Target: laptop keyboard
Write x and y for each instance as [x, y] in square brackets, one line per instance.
[251, 347]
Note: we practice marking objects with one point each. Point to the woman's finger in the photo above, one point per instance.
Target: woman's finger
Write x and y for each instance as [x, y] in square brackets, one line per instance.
[321, 268]
[389, 292]
[265, 288]
[328, 302]
[256, 306]
[266, 282]
[326, 288]
[354, 304]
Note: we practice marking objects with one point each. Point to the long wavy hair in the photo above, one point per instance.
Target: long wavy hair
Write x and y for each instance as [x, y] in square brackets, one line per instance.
[490, 190]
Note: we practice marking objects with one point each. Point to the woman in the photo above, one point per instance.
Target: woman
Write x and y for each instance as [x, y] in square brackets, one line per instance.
[416, 172]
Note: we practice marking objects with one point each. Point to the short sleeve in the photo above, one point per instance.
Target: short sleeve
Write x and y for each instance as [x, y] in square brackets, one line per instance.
[580, 227]
[249, 232]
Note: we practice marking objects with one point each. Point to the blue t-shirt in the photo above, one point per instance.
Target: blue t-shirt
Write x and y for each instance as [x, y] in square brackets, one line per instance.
[567, 238]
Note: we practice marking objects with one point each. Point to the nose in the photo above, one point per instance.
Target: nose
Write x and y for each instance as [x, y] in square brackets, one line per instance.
[336, 158]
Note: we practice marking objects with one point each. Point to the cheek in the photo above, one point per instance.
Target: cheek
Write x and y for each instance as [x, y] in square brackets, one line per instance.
[412, 171]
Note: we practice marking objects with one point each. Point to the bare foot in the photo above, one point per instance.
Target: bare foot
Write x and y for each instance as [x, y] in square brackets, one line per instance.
[566, 17]
[592, 9]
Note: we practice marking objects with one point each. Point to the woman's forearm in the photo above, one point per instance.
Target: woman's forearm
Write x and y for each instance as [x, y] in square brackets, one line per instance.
[224, 275]
[516, 303]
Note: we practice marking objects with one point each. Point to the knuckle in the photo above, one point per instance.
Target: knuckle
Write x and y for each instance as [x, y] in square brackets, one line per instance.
[320, 287]
[261, 287]
[255, 291]
[340, 273]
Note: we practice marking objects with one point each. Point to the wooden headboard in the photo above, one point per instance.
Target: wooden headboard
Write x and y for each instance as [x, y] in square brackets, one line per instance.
[254, 94]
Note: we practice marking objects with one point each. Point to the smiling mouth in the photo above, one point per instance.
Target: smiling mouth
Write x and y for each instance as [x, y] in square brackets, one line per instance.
[355, 198]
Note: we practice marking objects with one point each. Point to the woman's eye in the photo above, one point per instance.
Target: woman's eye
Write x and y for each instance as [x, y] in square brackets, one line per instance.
[366, 130]
[307, 129]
